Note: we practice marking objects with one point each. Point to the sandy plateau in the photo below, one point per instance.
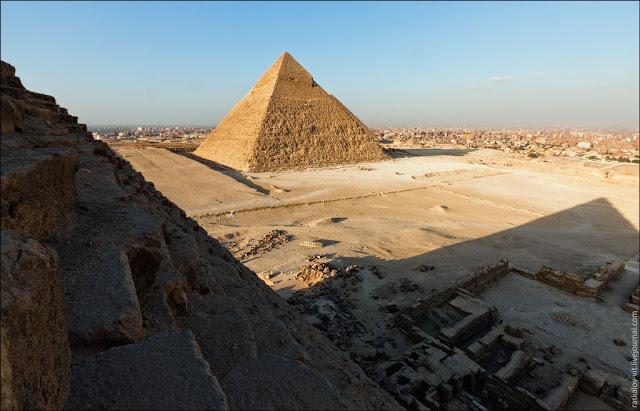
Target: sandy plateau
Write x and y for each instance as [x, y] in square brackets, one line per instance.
[365, 244]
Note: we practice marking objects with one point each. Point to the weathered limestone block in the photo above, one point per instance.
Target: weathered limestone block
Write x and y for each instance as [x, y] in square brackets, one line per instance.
[103, 309]
[590, 288]
[157, 316]
[164, 372]
[467, 326]
[37, 189]
[183, 248]
[273, 383]
[110, 253]
[174, 286]
[559, 396]
[610, 271]
[549, 276]
[12, 115]
[461, 365]
[223, 331]
[514, 368]
[32, 95]
[593, 381]
[167, 299]
[617, 392]
[35, 348]
[96, 183]
[42, 113]
[272, 337]
[7, 75]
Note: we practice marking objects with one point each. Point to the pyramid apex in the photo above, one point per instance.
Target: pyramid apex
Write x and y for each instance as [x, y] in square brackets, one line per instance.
[285, 55]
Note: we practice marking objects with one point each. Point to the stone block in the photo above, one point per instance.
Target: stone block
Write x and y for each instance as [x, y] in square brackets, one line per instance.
[273, 383]
[37, 189]
[165, 372]
[223, 331]
[35, 347]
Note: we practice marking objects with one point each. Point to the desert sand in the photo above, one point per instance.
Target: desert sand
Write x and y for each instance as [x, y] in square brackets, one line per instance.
[413, 210]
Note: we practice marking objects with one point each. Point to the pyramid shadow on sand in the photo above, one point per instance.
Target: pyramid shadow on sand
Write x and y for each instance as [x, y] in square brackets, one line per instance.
[565, 240]
[227, 171]
[429, 152]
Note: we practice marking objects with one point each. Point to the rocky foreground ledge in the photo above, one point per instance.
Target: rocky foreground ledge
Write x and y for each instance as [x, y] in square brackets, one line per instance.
[113, 298]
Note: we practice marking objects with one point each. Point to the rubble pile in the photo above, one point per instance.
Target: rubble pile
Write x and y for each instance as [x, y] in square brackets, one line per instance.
[634, 302]
[315, 273]
[397, 288]
[113, 298]
[243, 250]
[328, 303]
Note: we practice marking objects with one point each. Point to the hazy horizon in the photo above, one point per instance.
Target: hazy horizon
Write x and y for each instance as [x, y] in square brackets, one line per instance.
[134, 125]
[482, 65]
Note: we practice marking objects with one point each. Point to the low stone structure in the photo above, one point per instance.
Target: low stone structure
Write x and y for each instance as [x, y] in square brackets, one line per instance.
[633, 305]
[589, 287]
[611, 388]
[480, 280]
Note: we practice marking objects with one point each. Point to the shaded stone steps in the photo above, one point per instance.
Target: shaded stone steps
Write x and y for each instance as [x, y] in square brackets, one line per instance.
[35, 350]
[110, 251]
[274, 383]
[37, 188]
[164, 372]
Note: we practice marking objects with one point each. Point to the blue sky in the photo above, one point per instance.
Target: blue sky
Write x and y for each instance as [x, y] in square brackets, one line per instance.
[433, 63]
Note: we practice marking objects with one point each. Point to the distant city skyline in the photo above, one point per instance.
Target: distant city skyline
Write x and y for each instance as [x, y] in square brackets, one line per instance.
[438, 64]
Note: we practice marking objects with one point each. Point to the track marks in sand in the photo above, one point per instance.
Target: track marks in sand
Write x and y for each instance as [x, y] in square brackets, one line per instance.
[485, 201]
[348, 198]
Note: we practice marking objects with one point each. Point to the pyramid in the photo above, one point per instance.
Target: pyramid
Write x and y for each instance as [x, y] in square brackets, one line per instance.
[287, 121]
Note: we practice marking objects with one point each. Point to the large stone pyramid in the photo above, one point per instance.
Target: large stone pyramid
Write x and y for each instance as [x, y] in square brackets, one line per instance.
[288, 121]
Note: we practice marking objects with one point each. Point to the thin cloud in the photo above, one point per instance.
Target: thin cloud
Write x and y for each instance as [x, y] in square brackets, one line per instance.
[537, 75]
[503, 78]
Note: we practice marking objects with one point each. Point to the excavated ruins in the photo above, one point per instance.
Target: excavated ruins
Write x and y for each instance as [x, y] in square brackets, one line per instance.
[113, 298]
[449, 349]
[287, 121]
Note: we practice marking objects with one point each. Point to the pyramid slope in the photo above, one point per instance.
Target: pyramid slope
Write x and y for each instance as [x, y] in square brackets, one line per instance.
[300, 126]
[233, 140]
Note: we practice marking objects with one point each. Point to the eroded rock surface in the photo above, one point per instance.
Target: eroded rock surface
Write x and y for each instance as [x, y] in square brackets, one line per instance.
[155, 310]
[35, 348]
[164, 372]
[273, 383]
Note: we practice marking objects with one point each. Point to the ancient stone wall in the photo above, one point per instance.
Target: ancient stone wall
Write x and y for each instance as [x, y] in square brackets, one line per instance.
[476, 283]
[589, 287]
